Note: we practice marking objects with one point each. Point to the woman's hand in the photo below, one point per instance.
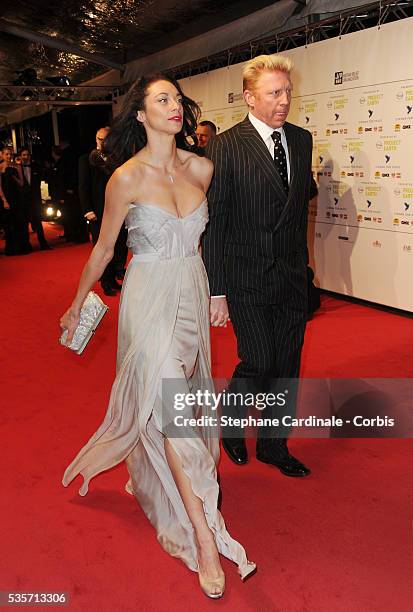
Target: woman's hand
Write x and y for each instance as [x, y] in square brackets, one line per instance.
[70, 321]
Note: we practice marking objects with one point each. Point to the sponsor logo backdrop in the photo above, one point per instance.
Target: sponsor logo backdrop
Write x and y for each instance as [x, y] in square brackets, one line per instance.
[355, 95]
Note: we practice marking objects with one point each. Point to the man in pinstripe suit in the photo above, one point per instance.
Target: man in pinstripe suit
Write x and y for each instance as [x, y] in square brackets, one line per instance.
[254, 249]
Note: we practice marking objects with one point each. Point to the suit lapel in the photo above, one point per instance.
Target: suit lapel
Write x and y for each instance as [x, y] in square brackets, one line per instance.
[294, 159]
[25, 181]
[293, 154]
[259, 152]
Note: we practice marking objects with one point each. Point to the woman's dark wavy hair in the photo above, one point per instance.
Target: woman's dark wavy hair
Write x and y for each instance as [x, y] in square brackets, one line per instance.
[127, 135]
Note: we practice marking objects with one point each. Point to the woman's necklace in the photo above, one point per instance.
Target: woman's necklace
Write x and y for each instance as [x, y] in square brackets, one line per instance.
[171, 176]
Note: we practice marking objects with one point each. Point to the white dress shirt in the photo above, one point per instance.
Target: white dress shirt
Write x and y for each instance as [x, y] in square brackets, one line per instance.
[265, 132]
[27, 173]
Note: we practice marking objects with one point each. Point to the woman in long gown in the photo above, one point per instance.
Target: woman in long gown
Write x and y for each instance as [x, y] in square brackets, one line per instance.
[159, 189]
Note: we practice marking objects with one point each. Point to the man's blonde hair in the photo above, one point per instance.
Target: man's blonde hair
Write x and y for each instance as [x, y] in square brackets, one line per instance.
[264, 63]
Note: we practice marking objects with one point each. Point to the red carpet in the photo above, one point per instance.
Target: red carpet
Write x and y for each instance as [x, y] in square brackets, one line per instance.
[338, 541]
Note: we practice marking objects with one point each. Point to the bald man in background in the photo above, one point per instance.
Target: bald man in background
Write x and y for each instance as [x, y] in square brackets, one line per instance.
[93, 177]
[205, 131]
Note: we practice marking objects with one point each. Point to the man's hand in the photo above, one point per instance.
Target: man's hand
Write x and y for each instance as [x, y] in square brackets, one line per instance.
[90, 216]
[218, 309]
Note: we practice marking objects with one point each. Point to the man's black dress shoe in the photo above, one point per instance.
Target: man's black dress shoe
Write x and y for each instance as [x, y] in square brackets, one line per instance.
[288, 465]
[108, 289]
[236, 450]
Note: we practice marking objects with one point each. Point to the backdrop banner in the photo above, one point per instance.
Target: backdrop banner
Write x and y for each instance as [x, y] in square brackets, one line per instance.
[355, 95]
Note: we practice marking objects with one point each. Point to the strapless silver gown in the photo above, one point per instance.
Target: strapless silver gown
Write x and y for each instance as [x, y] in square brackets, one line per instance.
[163, 334]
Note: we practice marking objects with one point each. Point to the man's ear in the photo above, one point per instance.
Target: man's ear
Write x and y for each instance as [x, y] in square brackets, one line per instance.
[249, 98]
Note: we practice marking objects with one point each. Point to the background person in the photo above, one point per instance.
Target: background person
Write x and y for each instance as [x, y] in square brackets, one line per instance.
[31, 197]
[15, 221]
[205, 131]
[93, 178]
[66, 185]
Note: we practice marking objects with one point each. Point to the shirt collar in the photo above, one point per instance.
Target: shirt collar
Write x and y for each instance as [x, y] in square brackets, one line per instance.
[262, 128]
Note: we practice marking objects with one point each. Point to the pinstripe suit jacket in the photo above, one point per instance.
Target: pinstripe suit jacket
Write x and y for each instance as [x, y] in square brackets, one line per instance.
[254, 247]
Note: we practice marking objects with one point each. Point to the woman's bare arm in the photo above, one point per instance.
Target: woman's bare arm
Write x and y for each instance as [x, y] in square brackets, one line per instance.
[120, 191]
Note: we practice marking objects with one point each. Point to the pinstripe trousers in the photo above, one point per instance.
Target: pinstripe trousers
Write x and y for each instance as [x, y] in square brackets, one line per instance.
[269, 342]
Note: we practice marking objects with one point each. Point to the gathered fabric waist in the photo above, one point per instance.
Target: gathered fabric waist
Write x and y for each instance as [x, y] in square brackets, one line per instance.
[150, 257]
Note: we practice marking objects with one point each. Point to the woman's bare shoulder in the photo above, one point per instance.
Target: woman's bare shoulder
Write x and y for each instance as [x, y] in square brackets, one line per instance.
[127, 174]
[130, 170]
[125, 180]
[201, 169]
[197, 163]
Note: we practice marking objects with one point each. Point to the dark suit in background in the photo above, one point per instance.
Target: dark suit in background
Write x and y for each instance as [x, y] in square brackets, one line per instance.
[255, 253]
[93, 179]
[66, 185]
[31, 197]
[14, 219]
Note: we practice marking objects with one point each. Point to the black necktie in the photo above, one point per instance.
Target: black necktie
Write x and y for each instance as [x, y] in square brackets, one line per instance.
[280, 159]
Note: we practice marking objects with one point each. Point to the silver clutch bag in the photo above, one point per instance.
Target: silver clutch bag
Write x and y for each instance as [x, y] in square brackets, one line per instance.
[91, 314]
